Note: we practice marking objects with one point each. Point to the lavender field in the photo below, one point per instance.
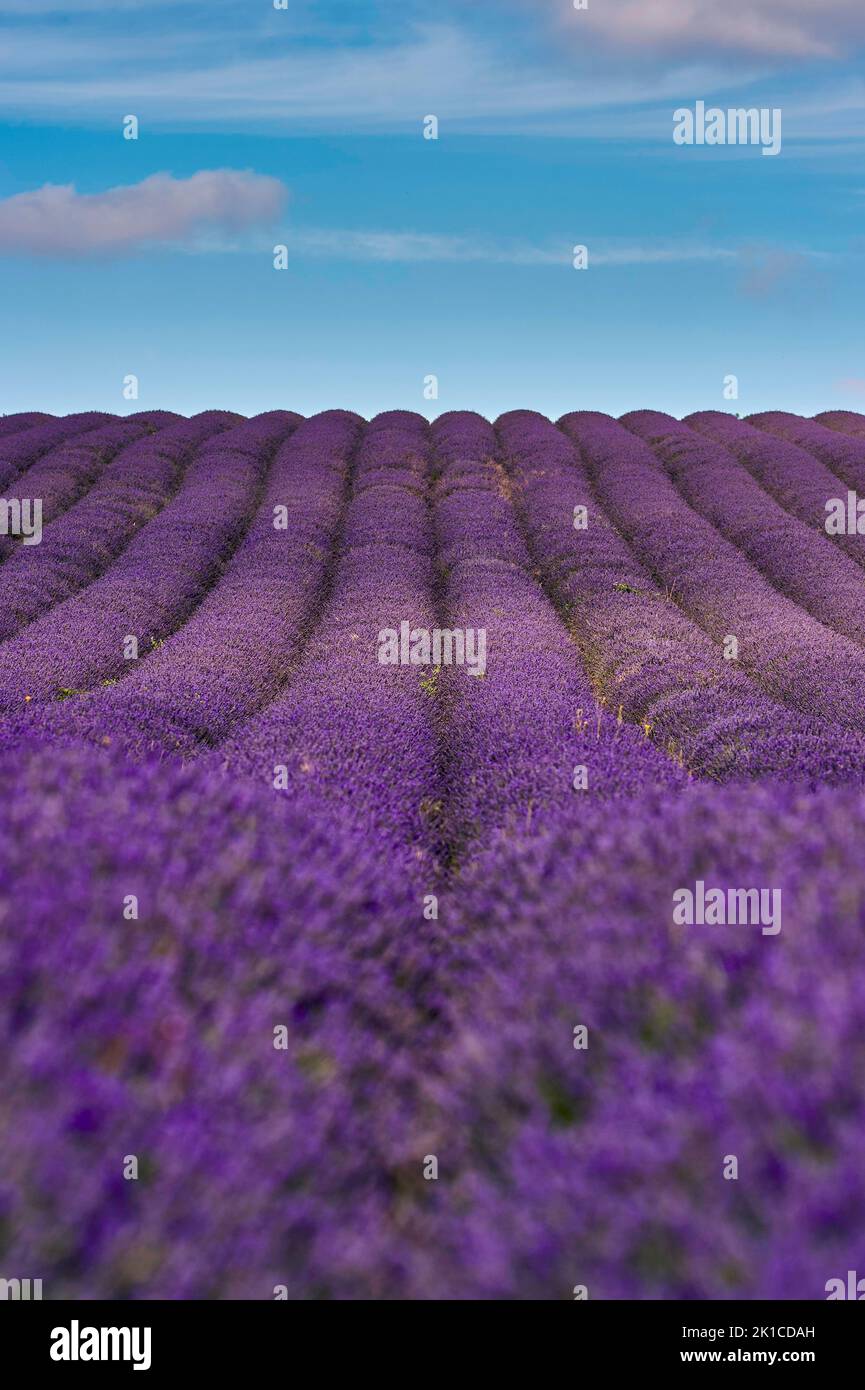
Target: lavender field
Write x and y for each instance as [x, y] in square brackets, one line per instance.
[365, 792]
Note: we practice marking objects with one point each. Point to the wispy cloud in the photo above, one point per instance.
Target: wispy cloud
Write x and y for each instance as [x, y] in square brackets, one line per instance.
[437, 68]
[55, 219]
[760, 271]
[420, 246]
[335, 244]
[485, 64]
[458, 74]
[773, 29]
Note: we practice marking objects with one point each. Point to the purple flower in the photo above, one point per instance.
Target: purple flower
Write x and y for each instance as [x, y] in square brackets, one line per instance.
[339, 946]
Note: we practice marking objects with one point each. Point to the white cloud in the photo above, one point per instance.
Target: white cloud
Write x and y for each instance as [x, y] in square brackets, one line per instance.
[767, 28]
[55, 219]
[423, 246]
[401, 247]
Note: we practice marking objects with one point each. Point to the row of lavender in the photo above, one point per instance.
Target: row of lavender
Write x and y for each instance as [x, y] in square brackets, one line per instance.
[651, 604]
[357, 932]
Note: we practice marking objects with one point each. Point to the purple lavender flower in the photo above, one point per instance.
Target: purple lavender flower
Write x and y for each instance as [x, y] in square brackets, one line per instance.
[339, 953]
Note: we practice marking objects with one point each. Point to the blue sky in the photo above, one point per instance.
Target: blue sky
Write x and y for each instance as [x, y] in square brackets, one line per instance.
[410, 257]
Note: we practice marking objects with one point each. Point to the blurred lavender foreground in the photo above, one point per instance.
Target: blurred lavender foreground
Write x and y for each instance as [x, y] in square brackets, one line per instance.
[364, 979]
